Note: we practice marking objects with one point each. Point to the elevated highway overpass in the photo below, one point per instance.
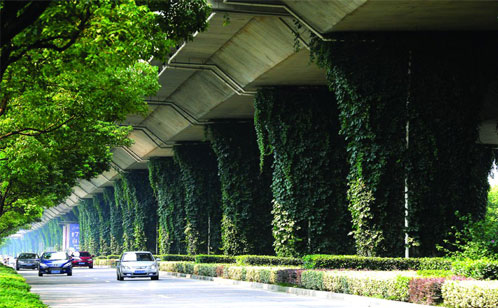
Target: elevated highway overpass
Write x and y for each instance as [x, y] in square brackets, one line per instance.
[250, 44]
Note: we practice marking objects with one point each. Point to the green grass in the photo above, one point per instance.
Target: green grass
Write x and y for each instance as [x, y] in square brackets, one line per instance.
[14, 291]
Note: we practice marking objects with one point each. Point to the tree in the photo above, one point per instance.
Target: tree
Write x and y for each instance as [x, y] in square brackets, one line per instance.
[70, 72]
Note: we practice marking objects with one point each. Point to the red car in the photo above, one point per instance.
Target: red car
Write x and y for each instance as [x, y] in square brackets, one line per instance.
[82, 258]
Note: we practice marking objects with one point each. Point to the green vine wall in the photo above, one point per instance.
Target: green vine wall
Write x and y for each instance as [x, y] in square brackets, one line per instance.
[115, 222]
[104, 224]
[121, 195]
[436, 83]
[198, 170]
[246, 194]
[164, 175]
[299, 127]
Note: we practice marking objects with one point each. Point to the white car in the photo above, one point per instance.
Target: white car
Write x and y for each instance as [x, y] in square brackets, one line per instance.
[135, 264]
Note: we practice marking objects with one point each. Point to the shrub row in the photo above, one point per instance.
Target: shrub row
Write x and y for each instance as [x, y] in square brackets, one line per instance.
[374, 263]
[268, 260]
[478, 269]
[14, 291]
[470, 294]
[214, 259]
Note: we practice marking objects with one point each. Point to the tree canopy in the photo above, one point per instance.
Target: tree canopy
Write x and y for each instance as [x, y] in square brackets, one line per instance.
[70, 72]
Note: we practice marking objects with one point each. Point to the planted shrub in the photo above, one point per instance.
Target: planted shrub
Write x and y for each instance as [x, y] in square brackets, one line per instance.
[169, 257]
[268, 260]
[426, 290]
[470, 294]
[214, 259]
[478, 269]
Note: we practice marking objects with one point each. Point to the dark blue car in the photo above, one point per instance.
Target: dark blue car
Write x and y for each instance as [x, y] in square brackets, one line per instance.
[55, 263]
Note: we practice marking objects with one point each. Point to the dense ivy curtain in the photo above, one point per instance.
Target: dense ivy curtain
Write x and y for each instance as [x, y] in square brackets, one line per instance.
[103, 211]
[198, 170]
[431, 86]
[246, 194]
[299, 127]
[164, 175]
[115, 223]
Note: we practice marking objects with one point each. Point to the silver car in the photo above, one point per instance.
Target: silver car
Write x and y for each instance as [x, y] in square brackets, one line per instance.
[135, 264]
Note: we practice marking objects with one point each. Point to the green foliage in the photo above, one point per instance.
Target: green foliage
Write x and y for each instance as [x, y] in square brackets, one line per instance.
[470, 294]
[478, 269]
[268, 260]
[70, 71]
[428, 84]
[14, 291]
[246, 193]
[199, 176]
[309, 169]
[371, 95]
[391, 286]
[214, 259]
[374, 263]
[115, 221]
[477, 239]
[104, 224]
[170, 257]
[164, 176]
[140, 200]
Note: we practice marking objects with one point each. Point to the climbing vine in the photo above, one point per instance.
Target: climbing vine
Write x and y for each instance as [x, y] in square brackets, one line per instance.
[299, 126]
[430, 86]
[115, 222]
[246, 193]
[198, 171]
[127, 212]
[165, 181]
[104, 224]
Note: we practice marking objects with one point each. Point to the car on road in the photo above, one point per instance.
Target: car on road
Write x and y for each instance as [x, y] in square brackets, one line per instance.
[82, 258]
[55, 263]
[27, 260]
[135, 264]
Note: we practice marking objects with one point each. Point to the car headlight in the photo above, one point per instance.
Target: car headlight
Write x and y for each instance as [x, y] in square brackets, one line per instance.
[43, 265]
[153, 267]
[127, 267]
[67, 264]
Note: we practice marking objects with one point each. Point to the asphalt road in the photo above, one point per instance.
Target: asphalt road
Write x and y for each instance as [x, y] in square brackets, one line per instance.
[98, 287]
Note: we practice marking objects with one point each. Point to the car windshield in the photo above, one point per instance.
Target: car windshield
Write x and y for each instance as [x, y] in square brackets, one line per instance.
[82, 254]
[138, 256]
[54, 256]
[27, 256]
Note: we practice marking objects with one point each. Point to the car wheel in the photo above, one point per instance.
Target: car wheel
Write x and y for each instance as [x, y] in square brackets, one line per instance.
[70, 273]
[154, 277]
[40, 274]
[120, 278]
[90, 266]
[17, 268]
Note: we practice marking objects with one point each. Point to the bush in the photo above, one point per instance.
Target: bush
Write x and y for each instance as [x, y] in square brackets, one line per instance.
[435, 273]
[426, 290]
[113, 257]
[374, 263]
[470, 294]
[267, 260]
[169, 257]
[478, 269]
[214, 259]
[14, 291]
[388, 285]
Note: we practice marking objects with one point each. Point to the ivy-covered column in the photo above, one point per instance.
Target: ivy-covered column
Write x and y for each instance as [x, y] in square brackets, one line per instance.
[91, 226]
[246, 193]
[164, 175]
[103, 212]
[448, 169]
[115, 222]
[141, 201]
[199, 176]
[299, 127]
[127, 213]
[369, 79]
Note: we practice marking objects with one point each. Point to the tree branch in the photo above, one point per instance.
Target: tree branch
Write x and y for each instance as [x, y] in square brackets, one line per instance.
[32, 132]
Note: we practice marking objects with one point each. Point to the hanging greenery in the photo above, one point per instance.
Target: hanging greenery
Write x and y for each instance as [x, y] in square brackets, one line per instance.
[142, 203]
[299, 126]
[432, 86]
[115, 222]
[103, 212]
[199, 176]
[246, 193]
[127, 212]
[165, 181]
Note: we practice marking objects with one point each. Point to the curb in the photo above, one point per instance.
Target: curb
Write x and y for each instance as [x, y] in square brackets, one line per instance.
[353, 300]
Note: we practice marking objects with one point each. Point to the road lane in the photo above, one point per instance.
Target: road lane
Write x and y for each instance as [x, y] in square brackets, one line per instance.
[98, 288]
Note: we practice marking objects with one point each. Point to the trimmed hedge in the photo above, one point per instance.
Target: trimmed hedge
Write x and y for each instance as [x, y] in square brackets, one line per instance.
[478, 269]
[268, 260]
[214, 259]
[388, 285]
[171, 257]
[470, 294]
[374, 263]
[14, 291]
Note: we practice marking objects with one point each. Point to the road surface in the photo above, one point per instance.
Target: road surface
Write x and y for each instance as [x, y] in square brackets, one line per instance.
[98, 288]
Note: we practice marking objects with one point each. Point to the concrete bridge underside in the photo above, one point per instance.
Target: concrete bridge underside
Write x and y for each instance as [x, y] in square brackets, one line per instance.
[250, 44]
